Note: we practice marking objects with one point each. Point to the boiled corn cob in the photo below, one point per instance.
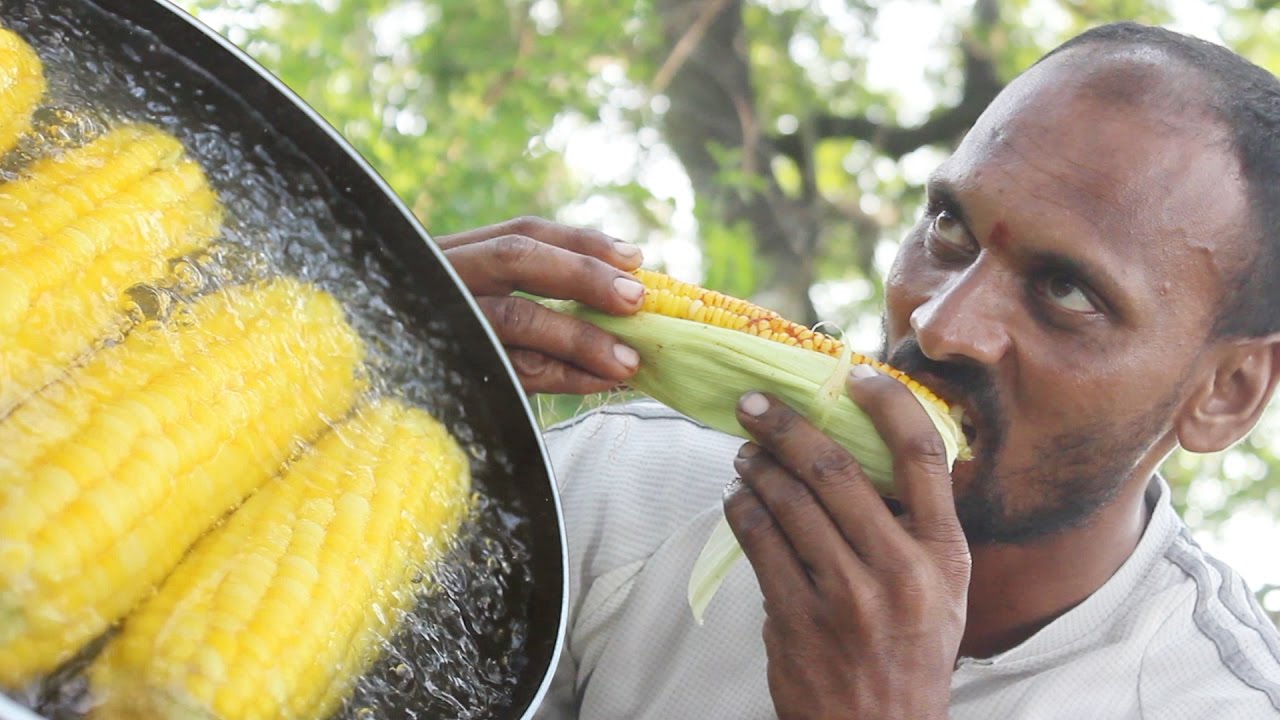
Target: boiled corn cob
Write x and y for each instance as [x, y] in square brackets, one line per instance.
[109, 474]
[21, 85]
[277, 613]
[76, 232]
[700, 351]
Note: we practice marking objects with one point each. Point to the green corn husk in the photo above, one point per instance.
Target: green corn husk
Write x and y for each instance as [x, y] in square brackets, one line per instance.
[702, 370]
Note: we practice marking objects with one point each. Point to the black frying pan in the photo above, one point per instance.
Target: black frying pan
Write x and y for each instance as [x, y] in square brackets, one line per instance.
[268, 128]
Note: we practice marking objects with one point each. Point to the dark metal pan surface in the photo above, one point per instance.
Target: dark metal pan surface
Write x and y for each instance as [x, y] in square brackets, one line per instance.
[300, 201]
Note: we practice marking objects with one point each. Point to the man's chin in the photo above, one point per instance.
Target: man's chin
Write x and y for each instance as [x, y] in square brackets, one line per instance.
[980, 511]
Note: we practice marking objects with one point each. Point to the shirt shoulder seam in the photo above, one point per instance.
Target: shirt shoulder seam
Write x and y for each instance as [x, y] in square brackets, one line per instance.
[1181, 555]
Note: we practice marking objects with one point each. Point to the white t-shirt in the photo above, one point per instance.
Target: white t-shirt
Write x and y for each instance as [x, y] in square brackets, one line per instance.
[1173, 634]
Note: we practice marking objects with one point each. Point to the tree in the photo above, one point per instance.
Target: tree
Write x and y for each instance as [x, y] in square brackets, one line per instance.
[804, 171]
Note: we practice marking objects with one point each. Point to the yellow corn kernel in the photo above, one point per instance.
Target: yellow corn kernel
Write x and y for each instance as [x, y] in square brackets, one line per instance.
[278, 612]
[21, 86]
[77, 232]
[109, 474]
[667, 296]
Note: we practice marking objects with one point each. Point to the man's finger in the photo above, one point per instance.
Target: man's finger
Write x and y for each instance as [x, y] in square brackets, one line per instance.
[584, 241]
[523, 323]
[541, 374]
[505, 264]
[830, 472]
[819, 544]
[921, 475]
[781, 575]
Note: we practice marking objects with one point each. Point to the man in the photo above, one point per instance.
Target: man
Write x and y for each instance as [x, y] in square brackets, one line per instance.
[1096, 281]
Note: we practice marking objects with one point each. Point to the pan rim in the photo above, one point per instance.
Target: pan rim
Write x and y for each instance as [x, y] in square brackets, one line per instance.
[199, 40]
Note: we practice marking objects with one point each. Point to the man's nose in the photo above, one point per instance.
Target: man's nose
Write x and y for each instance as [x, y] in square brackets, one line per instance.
[964, 320]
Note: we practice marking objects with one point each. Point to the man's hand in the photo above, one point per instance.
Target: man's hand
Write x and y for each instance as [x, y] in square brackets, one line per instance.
[551, 352]
[864, 610]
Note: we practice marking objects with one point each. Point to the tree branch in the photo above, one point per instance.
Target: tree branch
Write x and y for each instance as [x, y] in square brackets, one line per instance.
[981, 85]
[685, 46]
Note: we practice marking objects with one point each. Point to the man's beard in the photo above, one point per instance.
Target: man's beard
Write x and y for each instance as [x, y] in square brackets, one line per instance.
[1074, 474]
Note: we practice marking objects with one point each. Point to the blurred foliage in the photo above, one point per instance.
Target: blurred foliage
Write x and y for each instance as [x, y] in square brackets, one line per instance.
[470, 109]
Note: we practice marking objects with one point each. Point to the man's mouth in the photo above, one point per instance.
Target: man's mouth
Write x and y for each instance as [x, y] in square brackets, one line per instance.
[971, 422]
[967, 427]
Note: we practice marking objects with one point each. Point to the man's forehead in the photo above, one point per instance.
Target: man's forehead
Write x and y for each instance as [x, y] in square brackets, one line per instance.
[1072, 166]
[1065, 140]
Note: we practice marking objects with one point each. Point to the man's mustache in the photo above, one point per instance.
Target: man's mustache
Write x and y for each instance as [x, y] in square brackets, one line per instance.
[967, 381]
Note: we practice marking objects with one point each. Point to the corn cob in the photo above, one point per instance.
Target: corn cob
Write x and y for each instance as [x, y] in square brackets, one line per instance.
[279, 611]
[21, 85]
[665, 295]
[108, 475]
[78, 231]
[700, 351]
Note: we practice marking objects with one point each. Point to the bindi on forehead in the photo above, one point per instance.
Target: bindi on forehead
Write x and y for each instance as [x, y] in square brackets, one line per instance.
[999, 238]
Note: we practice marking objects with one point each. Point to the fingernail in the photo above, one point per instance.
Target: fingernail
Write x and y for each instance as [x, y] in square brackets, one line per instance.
[748, 450]
[625, 249]
[861, 372]
[625, 355]
[529, 363]
[630, 289]
[732, 486]
[754, 404]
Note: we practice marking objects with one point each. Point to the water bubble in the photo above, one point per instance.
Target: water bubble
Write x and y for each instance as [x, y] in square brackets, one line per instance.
[183, 317]
[187, 277]
[147, 302]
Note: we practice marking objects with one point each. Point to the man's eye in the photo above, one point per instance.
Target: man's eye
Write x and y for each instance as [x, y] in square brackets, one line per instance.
[951, 233]
[1063, 292]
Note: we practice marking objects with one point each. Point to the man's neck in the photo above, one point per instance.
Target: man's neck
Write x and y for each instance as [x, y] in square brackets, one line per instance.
[1016, 590]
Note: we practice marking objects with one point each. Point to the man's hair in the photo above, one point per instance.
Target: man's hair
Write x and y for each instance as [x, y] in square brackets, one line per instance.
[1246, 98]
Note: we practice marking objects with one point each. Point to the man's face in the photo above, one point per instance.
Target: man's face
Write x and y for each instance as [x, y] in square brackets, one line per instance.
[1063, 280]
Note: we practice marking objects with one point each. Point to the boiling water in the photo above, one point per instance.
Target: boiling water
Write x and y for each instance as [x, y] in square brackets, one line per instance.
[463, 647]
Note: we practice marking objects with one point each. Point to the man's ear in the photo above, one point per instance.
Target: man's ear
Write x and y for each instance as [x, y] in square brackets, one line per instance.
[1231, 396]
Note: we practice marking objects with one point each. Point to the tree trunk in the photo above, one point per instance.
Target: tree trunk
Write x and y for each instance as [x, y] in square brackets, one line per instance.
[713, 106]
